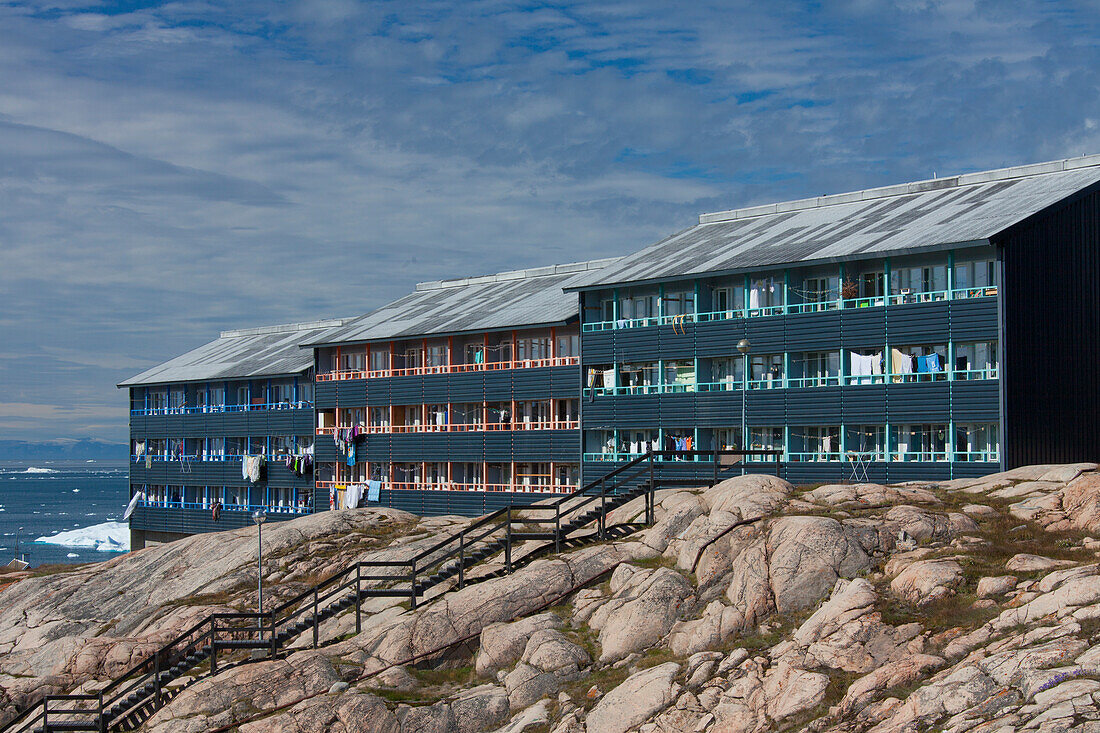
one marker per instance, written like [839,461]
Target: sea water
[75,506]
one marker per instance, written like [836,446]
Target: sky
[169,170]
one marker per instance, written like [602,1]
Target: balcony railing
[211,409]
[833,380]
[460,427]
[553,488]
[272,507]
[778,310]
[488,366]
[212,458]
[868,456]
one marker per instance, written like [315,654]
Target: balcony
[490,366]
[457,427]
[865,457]
[457,486]
[207,505]
[779,310]
[731,385]
[214,409]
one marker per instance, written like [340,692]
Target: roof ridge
[284,328]
[530,272]
[900,189]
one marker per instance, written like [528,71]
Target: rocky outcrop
[749,606]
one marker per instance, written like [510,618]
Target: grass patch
[445,677]
[652,563]
[654,656]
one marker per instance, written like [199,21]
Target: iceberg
[106,537]
[35,469]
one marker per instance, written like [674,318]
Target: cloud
[173,169]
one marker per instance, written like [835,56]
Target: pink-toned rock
[892,674]
[1081,502]
[928,580]
[996,586]
[1025,563]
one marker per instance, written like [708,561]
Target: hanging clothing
[902,363]
[374,490]
[609,378]
[139,449]
[876,363]
[250,468]
[332,497]
[148,460]
[352,495]
[351,454]
[754,298]
[139,496]
[931,363]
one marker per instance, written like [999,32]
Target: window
[819,443]
[529,475]
[910,283]
[867,442]
[607,308]
[638,378]
[305,391]
[977,360]
[236,446]
[727,438]
[282,392]
[872,285]
[437,355]
[817,368]
[533,347]
[728,300]
[766,371]
[765,292]
[680,376]
[977,442]
[766,439]
[217,394]
[679,302]
[926,442]
[976,278]
[820,290]
[379,417]
[638,306]
[568,344]
[567,410]
[352,358]
[379,357]
[215,447]
[567,476]
[727,372]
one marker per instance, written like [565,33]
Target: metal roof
[505,300]
[252,352]
[963,209]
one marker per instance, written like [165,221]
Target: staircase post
[508,542]
[213,646]
[156,680]
[102,719]
[274,636]
[603,510]
[412,587]
[358,598]
[557,527]
[46,713]
[461,558]
[715,481]
[315,622]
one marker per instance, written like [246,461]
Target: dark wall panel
[918,402]
[917,323]
[863,328]
[809,331]
[975,401]
[974,319]
[1051,302]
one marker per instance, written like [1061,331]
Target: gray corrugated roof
[505,300]
[912,216]
[250,352]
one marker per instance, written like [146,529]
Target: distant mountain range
[18,450]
